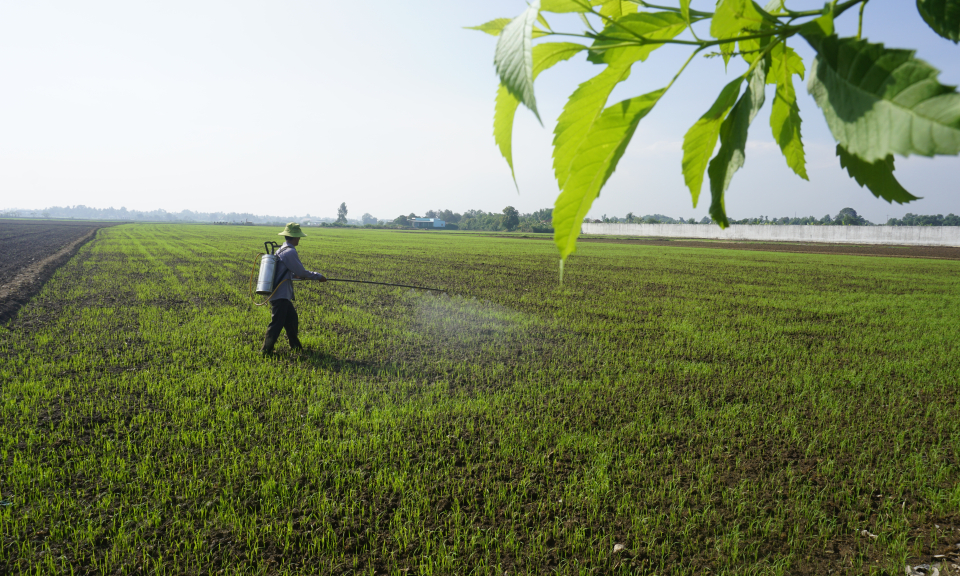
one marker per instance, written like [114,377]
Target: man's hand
[322,278]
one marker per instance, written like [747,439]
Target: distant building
[428,223]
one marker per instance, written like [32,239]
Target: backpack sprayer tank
[268,268]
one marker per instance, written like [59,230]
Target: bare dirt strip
[31,252]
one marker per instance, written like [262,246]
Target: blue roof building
[428,223]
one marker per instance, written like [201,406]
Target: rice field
[668,410]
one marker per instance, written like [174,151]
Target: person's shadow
[330,363]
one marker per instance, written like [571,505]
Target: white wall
[902,235]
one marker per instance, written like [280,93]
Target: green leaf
[617,8]
[751,49]
[877,177]
[562,6]
[732,17]
[726,24]
[544,56]
[774,7]
[820,27]
[784,63]
[685,11]
[595,162]
[735,18]
[543,21]
[650,25]
[504,113]
[785,123]
[733,141]
[785,118]
[880,101]
[580,114]
[514,57]
[943,16]
[701,139]
[493,27]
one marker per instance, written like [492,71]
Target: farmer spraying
[282,313]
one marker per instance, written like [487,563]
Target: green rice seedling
[709,410]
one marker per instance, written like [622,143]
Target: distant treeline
[88,213]
[919,220]
[510,219]
[541,220]
[507,220]
[846,217]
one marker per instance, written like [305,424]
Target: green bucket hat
[292,230]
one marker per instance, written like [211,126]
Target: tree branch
[672,9]
[841,8]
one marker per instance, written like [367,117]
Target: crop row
[737,412]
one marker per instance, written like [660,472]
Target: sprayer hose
[265,302]
[385,284]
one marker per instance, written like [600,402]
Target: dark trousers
[282,316]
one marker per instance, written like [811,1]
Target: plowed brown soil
[31,252]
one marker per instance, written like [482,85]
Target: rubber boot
[268,344]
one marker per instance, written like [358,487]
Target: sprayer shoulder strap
[278,279]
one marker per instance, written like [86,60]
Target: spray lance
[268,269]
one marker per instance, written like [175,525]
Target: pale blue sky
[291,107]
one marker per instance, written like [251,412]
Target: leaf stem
[609,21]
[839,9]
[682,68]
[672,9]
[860,26]
[610,46]
[784,32]
[543,21]
[762,56]
[585,36]
[802,14]
[692,32]
[587,22]
[641,40]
